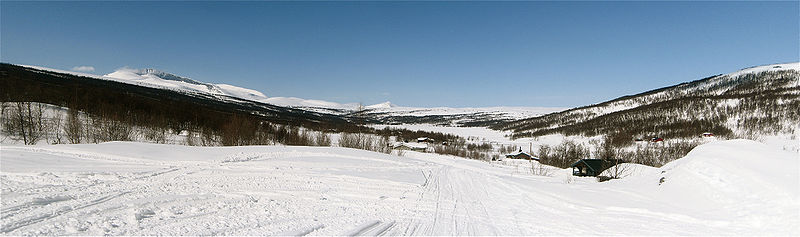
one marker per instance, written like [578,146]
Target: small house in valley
[410,146]
[521,155]
[425,140]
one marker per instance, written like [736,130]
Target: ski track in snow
[321,191]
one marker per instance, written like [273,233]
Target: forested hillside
[749,103]
[103,110]
[763,101]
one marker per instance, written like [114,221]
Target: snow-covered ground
[124,188]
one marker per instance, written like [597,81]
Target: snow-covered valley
[734,187]
[191,186]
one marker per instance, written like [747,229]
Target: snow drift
[740,177]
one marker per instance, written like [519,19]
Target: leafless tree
[540,169]
[115,130]
[74,127]
[24,121]
[618,169]
[54,129]
[322,139]
[208,137]
[191,138]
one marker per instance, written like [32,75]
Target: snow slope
[126,188]
[738,176]
[163,80]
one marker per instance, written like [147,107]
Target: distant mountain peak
[165,75]
[384,105]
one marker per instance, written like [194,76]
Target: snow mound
[758,184]
[631,172]
[244,93]
[384,105]
[766,68]
[299,102]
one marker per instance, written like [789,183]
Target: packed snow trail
[125,188]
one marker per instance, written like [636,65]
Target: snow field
[127,188]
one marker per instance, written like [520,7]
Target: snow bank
[755,184]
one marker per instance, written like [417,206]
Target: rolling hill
[752,101]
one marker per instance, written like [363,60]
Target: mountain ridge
[742,95]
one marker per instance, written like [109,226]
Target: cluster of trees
[365,142]
[562,155]
[503,149]
[462,151]
[651,154]
[32,122]
[25,121]
[463,120]
[409,135]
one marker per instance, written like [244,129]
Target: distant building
[425,140]
[410,146]
[656,139]
[708,134]
[521,155]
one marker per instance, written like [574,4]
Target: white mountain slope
[163,80]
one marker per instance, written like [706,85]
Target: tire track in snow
[12,211]
[26,222]
[370,228]
[118,185]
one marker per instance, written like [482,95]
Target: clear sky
[456,54]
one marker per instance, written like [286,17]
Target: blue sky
[457,54]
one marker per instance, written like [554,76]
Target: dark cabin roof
[521,155]
[595,165]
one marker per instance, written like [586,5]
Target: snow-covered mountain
[760,99]
[386,111]
[164,80]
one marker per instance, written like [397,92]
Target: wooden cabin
[410,146]
[521,155]
[592,167]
